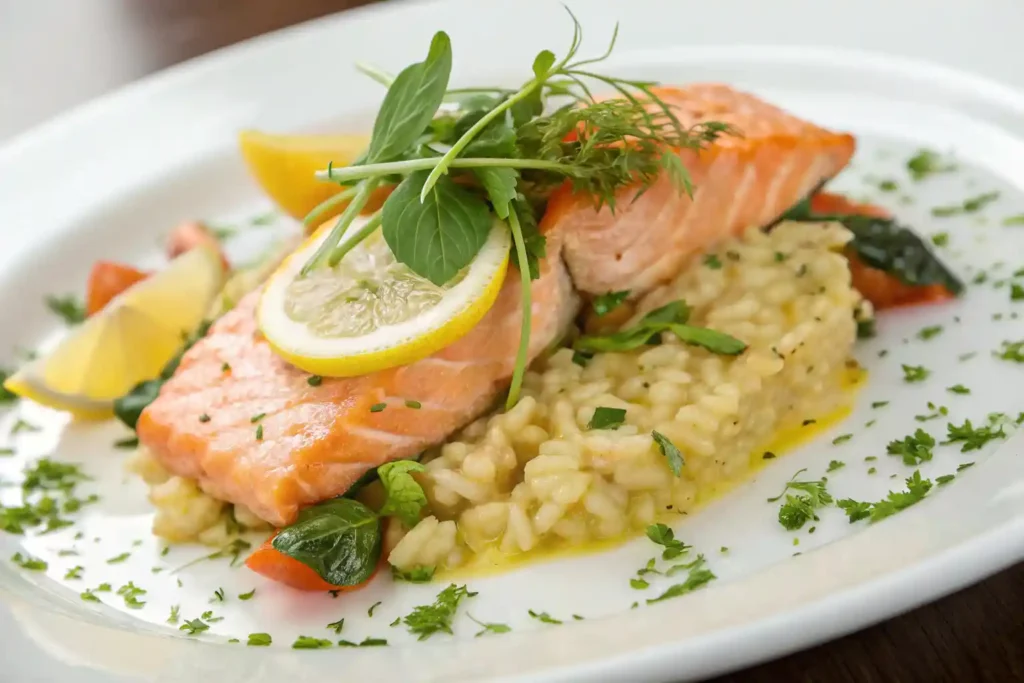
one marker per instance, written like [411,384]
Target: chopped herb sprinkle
[378,407]
[842,438]
[607,418]
[834,465]
[543,617]
[927,333]
[915,373]
[958,389]
[204,418]
[259,640]
[314,380]
[415,405]
[606,303]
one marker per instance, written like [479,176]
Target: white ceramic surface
[109,178]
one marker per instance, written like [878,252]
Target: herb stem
[350,243]
[446,161]
[347,173]
[328,204]
[524,335]
[362,196]
[383,77]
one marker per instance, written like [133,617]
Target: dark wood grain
[95,45]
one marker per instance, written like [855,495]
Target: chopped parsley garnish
[69,308]
[835,465]
[1014,220]
[256,418]
[308,643]
[259,432]
[127,443]
[671,453]
[259,640]
[799,509]
[926,163]
[543,617]
[421,574]
[314,380]
[914,449]
[768,455]
[945,479]
[842,438]
[963,466]
[204,418]
[74,573]
[377,407]
[915,373]
[607,418]
[225,367]
[664,536]
[28,562]
[489,627]
[888,185]
[118,559]
[1016,292]
[24,426]
[958,389]
[415,405]
[937,412]
[879,404]
[194,626]
[247,596]
[698,576]
[88,596]
[970,205]
[208,616]
[927,333]
[426,620]
[940,239]
[639,584]
[374,606]
[218,595]
[130,592]
[234,550]
[336,626]
[606,303]
[712,261]
[970,437]
[895,501]
[1011,351]
[372,642]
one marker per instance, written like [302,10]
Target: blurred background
[55,54]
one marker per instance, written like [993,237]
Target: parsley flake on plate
[835,465]
[915,373]
[895,501]
[68,308]
[664,536]
[970,437]
[488,627]
[543,617]
[914,449]
[929,332]
[607,418]
[426,620]
[928,163]
[259,640]
[194,626]
[309,643]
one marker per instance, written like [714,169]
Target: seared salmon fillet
[314,441]
[739,182]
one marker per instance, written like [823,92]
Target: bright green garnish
[917,489]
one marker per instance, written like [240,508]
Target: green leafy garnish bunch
[460,157]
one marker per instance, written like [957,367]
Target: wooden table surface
[57,53]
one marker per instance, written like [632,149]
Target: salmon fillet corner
[316,441]
[739,182]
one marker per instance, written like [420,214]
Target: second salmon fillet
[739,181]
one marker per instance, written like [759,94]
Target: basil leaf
[405,497]
[884,244]
[411,102]
[500,184]
[496,140]
[606,303]
[440,236]
[607,418]
[671,453]
[338,539]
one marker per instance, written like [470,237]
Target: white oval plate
[109,178]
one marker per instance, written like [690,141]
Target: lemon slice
[127,342]
[371,312]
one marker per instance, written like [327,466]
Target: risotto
[536,477]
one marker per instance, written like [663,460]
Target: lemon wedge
[371,312]
[285,167]
[127,342]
